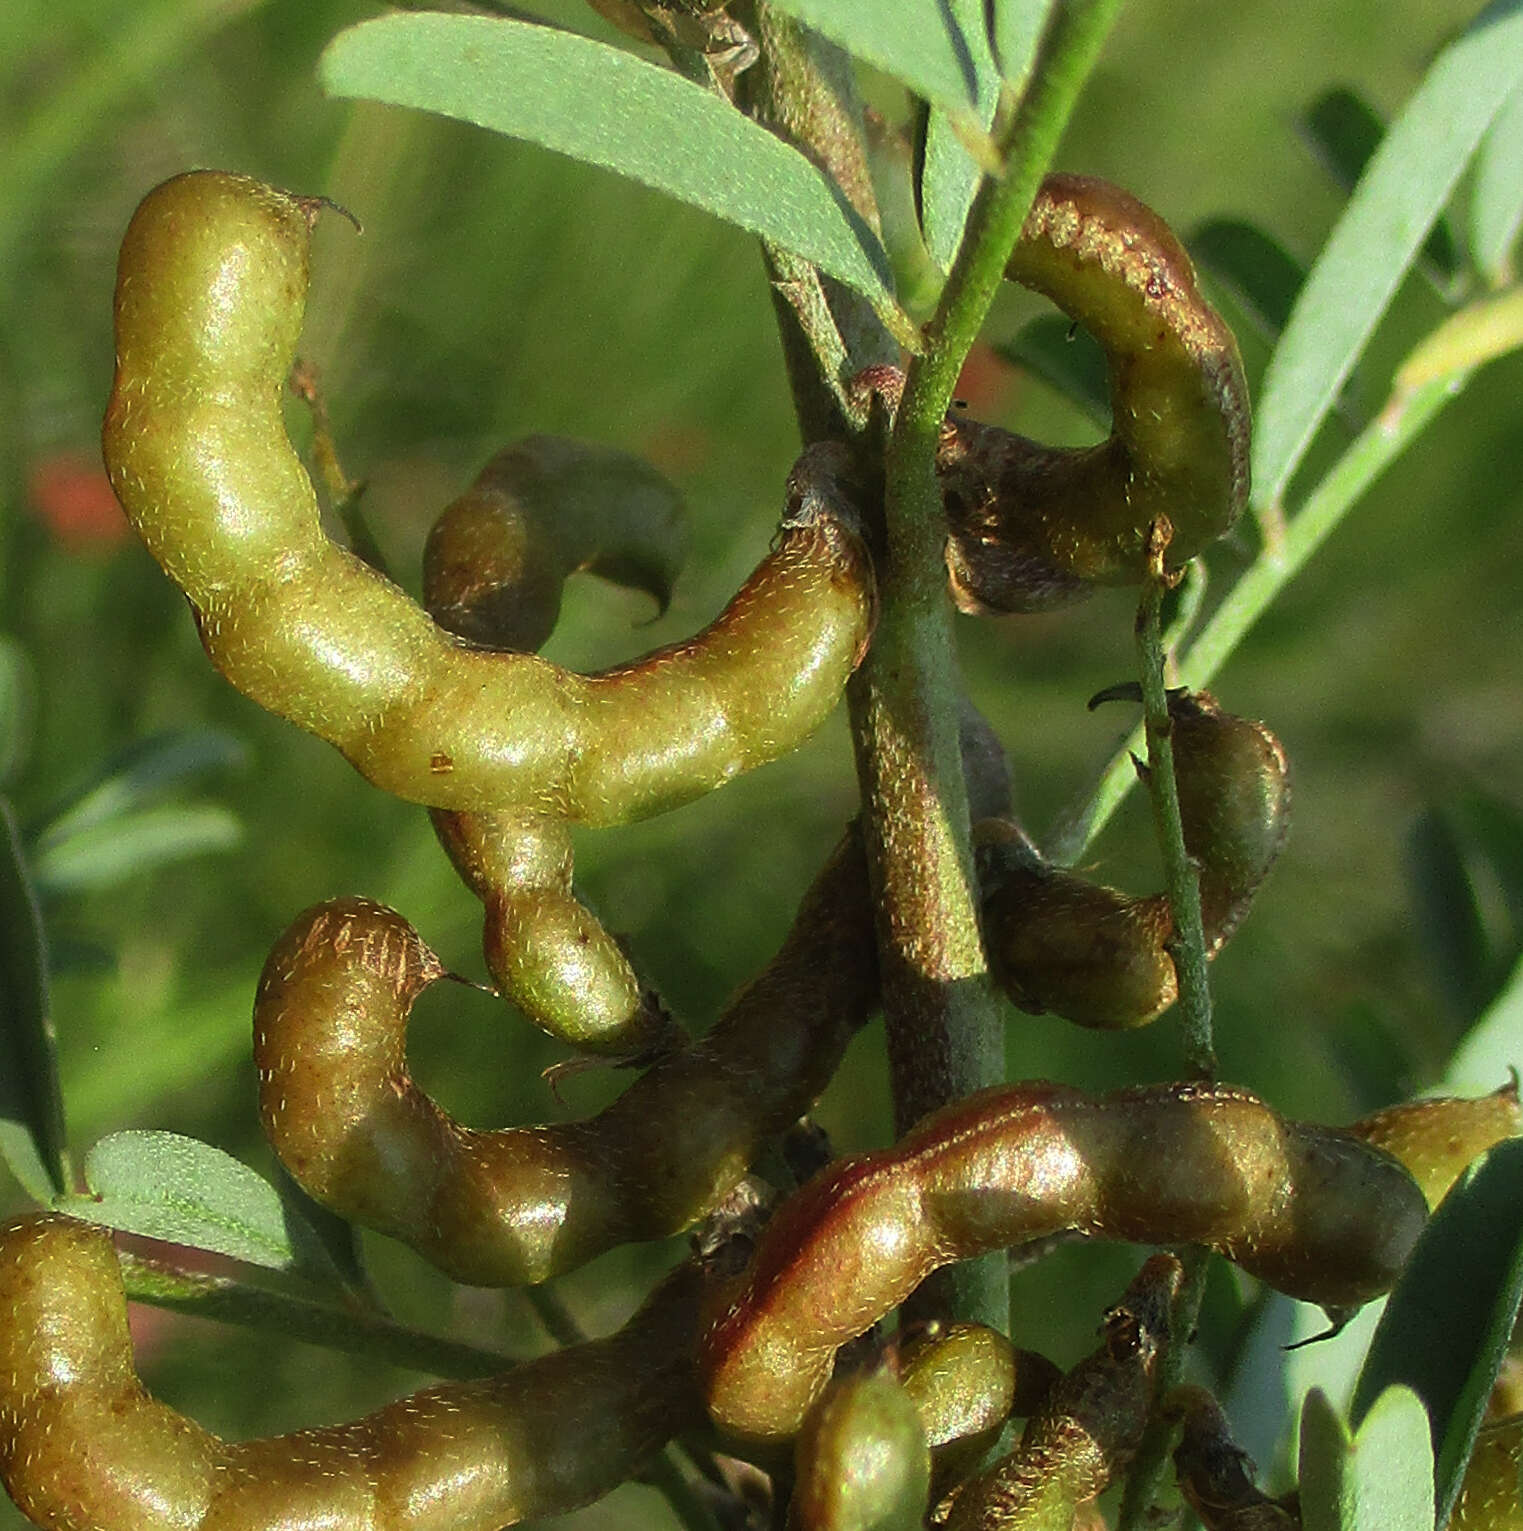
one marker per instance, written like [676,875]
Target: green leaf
[1259,272]
[1406,184]
[609,108]
[1344,131]
[1496,198]
[1446,1326]
[949,175]
[131,844]
[1380,1479]
[1492,1046]
[140,773]
[32,1135]
[1017,32]
[1480,332]
[925,46]
[1066,358]
[18,687]
[164,1186]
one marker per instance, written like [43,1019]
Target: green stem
[1367,457]
[233,1302]
[1147,1469]
[1181,877]
[944,1028]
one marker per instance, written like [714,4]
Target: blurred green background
[499,290]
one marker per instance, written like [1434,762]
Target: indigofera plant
[83,1445]
[1061,943]
[1313,1211]
[210,292]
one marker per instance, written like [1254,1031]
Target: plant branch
[1367,457]
[1187,945]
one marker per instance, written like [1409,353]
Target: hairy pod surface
[1034,526]
[1312,1211]
[84,1448]
[1089,1426]
[1437,1138]
[210,289]
[1489,1498]
[1215,1473]
[1099,957]
[861,1460]
[518,1205]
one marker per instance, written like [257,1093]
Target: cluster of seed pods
[451,707]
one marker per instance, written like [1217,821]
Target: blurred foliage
[499,290]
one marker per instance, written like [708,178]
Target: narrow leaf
[1260,273]
[1496,199]
[143,772]
[132,844]
[1380,1480]
[1478,333]
[924,46]
[1406,184]
[1017,30]
[949,174]
[1450,917]
[599,104]
[1344,131]
[32,1138]
[165,1186]
[1446,1326]
[1067,359]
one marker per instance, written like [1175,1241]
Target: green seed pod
[1312,1211]
[966,1380]
[861,1460]
[210,289]
[494,567]
[1215,1474]
[1437,1138]
[519,1205]
[1035,526]
[1099,957]
[1489,1499]
[82,1444]
[1089,1427]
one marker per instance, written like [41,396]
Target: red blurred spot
[984,382]
[69,493]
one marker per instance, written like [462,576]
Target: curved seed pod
[519,1205]
[1034,526]
[209,298]
[1489,1496]
[1089,1427]
[1099,957]
[861,1460]
[1314,1212]
[1437,1138]
[966,1380]
[494,567]
[1215,1474]
[82,1444]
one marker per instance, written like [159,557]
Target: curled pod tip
[861,1460]
[1034,526]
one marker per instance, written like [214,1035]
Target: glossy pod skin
[519,1205]
[84,1448]
[1034,526]
[1058,942]
[861,1462]
[494,568]
[1088,1428]
[1310,1210]
[210,290]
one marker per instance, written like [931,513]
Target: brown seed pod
[1099,957]
[1311,1210]
[1034,526]
[1089,1427]
[518,1205]
[83,1445]
[210,291]
[1215,1474]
